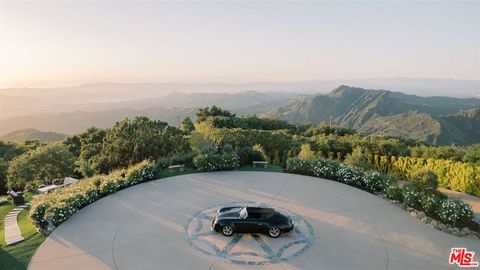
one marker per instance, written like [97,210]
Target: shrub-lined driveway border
[142,227]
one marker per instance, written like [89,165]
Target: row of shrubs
[214,159]
[458,176]
[216,162]
[415,194]
[64,202]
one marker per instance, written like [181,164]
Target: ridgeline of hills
[33,134]
[435,120]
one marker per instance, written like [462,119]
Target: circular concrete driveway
[147,227]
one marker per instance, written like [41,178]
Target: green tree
[73,144]
[359,158]
[9,151]
[306,152]
[3,175]
[44,163]
[187,125]
[203,113]
[131,141]
[473,154]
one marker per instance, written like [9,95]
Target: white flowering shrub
[334,170]
[300,166]
[326,168]
[64,202]
[139,174]
[413,195]
[455,212]
[394,192]
[216,162]
[431,201]
[108,187]
[374,181]
[349,175]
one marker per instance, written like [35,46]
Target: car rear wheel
[227,230]
[274,232]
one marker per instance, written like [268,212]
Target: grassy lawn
[270,168]
[18,255]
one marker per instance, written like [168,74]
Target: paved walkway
[12,230]
[156,225]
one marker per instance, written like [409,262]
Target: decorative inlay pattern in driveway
[165,224]
[252,249]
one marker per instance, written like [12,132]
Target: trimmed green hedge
[458,176]
[415,195]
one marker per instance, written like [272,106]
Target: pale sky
[48,42]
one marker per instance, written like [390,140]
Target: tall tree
[203,113]
[44,163]
[187,125]
[131,141]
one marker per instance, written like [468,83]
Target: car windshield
[243,212]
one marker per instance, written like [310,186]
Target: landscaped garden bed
[421,201]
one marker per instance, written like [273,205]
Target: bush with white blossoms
[64,202]
[334,170]
[394,192]
[216,162]
[301,166]
[431,201]
[413,195]
[349,175]
[375,182]
[326,168]
[455,212]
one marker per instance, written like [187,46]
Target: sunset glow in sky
[42,43]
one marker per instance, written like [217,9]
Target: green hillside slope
[32,134]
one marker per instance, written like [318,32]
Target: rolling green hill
[32,134]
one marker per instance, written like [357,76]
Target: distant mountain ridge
[436,120]
[171,108]
[33,134]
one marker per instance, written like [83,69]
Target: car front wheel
[274,232]
[227,230]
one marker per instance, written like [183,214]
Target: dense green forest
[217,135]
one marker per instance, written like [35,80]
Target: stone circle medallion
[246,248]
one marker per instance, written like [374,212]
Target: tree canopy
[45,163]
[203,113]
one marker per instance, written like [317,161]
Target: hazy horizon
[70,43]
[79,83]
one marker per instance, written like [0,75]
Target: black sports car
[229,220]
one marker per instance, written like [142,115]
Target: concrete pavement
[147,227]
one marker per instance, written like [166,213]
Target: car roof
[259,209]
